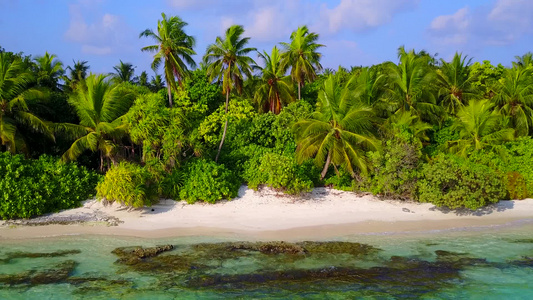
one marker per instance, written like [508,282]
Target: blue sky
[355,32]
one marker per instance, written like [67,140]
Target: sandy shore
[270,215]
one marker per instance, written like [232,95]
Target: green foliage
[281,127]
[340,181]
[240,113]
[439,138]
[394,171]
[280,172]
[34,187]
[512,157]
[202,92]
[515,185]
[128,184]
[456,183]
[205,180]
[486,76]
[170,185]
[159,129]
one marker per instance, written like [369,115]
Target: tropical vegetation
[454,133]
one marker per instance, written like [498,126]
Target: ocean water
[475,263]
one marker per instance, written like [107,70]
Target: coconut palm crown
[302,56]
[275,90]
[14,110]
[173,49]
[228,62]
[338,131]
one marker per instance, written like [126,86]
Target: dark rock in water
[141,252]
[522,241]
[58,274]
[526,261]
[226,249]
[422,274]
[15,255]
[355,249]
[148,259]
[459,258]
[269,247]
[135,255]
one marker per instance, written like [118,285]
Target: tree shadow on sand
[487,210]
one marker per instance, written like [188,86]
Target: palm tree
[156,83]
[406,126]
[227,60]
[300,54]
[100,107]
[143,79]
[368,86]
[49,71]
[124,72]
[174,49]
[14,111]
[410,82]
[455,83]
[524,61]
[338,131]
[514,97]
[78,73]
[478,126]
[275,89]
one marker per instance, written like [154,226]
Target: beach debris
[69,219]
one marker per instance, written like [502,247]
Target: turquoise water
[484,263]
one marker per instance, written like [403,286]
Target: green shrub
[515,185]
[170,185]
[394,171]
[342,181]
[34,187]
[205,180]
[516,156]
[279,172]
[455,183]
[128,184]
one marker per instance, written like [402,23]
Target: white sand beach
[271,215]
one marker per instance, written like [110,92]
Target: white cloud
[359,15]
[100,37]
[452,29]
[502,24]
[268,24]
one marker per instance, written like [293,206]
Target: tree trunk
[101,162]
[169,95]
[299,98]
[326,166]
[225,128]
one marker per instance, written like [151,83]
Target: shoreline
[268,215]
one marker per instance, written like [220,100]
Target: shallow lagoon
[489,263]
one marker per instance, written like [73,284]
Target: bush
[279,172]
[342,181]
[513,157]
[170,185]
[455,183]
[394,171]
[515,185]
[128,184]
[208,181]
[34,187]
